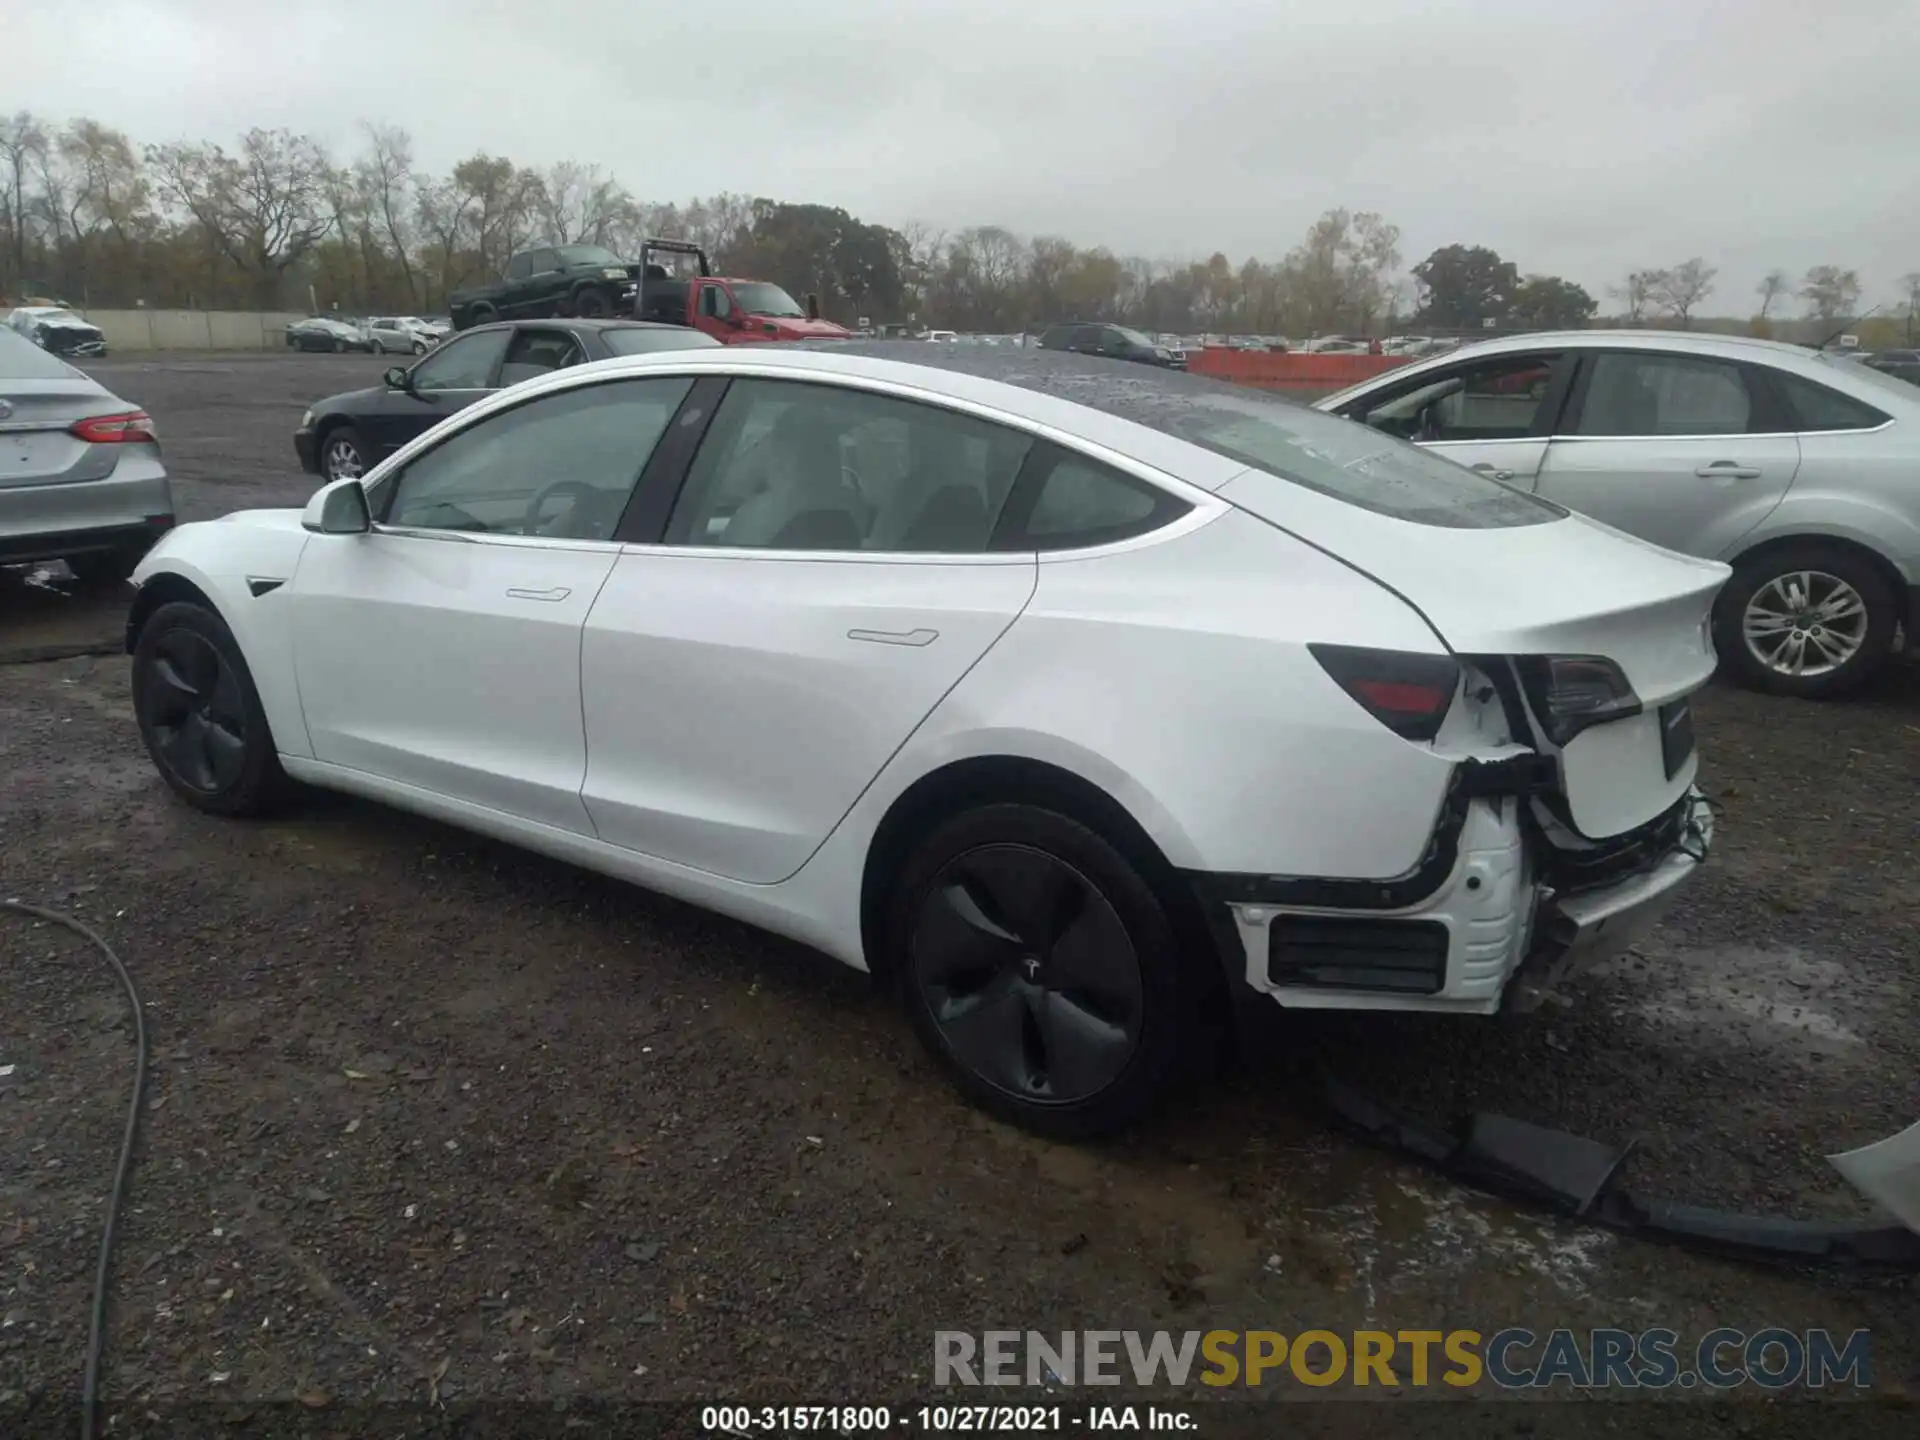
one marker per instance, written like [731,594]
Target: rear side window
[1350,462]
[1815,407]
[1633,395]
[1073,503]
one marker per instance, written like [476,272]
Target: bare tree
[22,143]
[1830,292]
[1636,293]
[385,172]
[1678,290]
[577,203]
[1773,287]
[1910,287]
[264,208]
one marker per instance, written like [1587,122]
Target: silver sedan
[1796,468]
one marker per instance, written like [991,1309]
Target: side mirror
[396,378]
[737,321]
[338,509]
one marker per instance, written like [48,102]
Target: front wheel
[200,715]
[419,347]
[1813,620]
[592,304]
[1040,969]
[343,455]
[339,347]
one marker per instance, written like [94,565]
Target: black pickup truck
[588,281]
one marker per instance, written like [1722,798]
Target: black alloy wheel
[199,714]
[1039,968]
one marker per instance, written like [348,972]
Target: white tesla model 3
[1079,701]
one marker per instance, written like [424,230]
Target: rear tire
[201,716]
[1812,619]
[1040,969]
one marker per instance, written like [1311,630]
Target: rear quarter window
[1815,407]
[1350,462]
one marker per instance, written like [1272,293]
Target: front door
[1492,415]
[442,384]
[1682,450]
[822,582]
[442,650]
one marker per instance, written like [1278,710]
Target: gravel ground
[433,1118]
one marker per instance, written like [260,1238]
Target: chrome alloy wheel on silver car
[1805,623]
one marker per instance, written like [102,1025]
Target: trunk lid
[1567,586]
[35,445]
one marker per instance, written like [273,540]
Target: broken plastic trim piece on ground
[1580,1178]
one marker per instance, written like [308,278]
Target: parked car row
[382,335]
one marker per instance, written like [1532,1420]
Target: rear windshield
[643,342]
[1353,463]
[21,359]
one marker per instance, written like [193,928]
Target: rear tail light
[1406,692]
[1571,693]
[122,429]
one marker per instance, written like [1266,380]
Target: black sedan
[347,435]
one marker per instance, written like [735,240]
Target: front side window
[714,302]
[463,364]
[542,261]
[790,466]
[562,466]
[519,267]
[1649,395]
[1491,400]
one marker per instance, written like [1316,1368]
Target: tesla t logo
[1032,964]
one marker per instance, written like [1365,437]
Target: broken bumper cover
[1506,916]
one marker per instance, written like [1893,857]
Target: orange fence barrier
[1268,371]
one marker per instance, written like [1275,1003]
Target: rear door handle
[895,637]
[1485,469]
[1727,470]
[558,592]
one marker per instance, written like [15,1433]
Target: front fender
[228,561]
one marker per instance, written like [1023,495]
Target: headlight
[612,274]
[306,420]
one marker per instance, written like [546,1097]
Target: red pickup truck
[734,312]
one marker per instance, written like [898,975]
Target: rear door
[823,580]
[1688,451]
[1492,414]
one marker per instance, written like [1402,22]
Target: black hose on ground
[97,1324]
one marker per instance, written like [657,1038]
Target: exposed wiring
[97,1323]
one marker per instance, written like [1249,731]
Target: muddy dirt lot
[432,1118]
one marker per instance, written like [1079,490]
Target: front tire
[1813,620]
[1040,969]
[343,454]
[592,304]
[199,713]
[339,347]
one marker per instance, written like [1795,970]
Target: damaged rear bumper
[1497,913]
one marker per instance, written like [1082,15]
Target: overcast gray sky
[1577,139]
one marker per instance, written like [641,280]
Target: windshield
[760,298]
[590,255]
[21,359]
[1352,463]
[1134,337]
[643,342]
